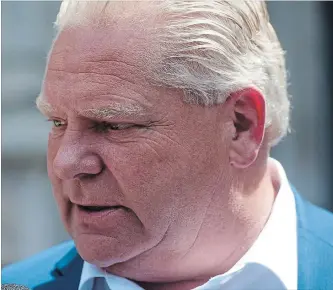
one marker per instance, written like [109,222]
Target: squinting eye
[119,126]
[105,127]
[57,123]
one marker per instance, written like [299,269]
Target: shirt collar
[275,248]
[90,271]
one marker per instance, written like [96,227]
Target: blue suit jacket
[59,268]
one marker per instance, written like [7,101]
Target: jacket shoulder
[317,222]
[37,269]
[315,246]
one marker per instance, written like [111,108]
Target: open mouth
[98,208]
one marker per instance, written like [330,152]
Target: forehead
[98,63]
[102,50]
[83,44]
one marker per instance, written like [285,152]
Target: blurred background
[30,221]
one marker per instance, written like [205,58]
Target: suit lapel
[66,274]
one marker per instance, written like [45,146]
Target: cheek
[156,179]
[145,175]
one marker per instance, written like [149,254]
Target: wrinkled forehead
[100,30]
[77,46]
[100,61]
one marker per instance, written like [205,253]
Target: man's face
[118,142]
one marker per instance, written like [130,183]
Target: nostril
[86,175]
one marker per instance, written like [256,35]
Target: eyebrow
[105,112]
[114,110]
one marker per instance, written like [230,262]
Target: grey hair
[209,49]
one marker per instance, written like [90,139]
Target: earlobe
[248,114]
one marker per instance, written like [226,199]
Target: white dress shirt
[270,264]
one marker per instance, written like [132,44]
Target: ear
[248,114]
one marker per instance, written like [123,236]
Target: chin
[102,251]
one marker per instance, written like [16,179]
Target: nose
[76,161]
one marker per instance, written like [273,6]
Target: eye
[105,127]
[57,123]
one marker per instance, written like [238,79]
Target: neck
[252,212]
